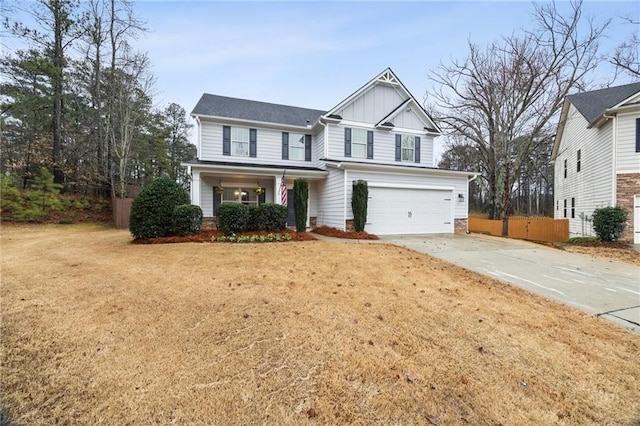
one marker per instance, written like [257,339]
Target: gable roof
[593,106]
[244,109]
[594,103]
[389,77]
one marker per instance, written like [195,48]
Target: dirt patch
[98,330]
[612,251]
[334,232]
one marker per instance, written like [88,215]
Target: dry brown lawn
[96,330]
[612,254]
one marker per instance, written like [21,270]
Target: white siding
[330,210]
[268,147]
[317,145]
[384,146]
[459,184]
[592,187]
[372,105]
[627,159]
[408,120]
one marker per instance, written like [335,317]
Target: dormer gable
[386,103]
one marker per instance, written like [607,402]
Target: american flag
[283,192]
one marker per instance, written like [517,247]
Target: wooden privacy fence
[526,228]
[121,212]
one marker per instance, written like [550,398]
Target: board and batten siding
[459,184]
[592,186]
[268,146]
[373,105]
[627,159]
[384,146]
[330,196]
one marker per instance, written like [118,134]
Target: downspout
[199,144]
[614,157]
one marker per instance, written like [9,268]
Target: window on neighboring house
[565,170]
[573,208]
[578,162]
[408,148]
[557,204]
[565,208]
[239,141]
[358,143]
[637,134]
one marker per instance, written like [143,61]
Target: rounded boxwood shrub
[152,210]
[233,218]
[271,217]
[609,223]
[187,219]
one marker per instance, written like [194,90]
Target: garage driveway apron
[603,288]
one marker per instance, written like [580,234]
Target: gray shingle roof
[244,109]
[593,104]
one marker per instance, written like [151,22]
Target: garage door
[409,211]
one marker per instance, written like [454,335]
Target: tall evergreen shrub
[359,204]
[152,210]
[300,203]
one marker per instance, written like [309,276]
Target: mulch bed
[333,232]
[604,244]
[205,237]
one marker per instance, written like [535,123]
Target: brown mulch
[204,236]
[336,233]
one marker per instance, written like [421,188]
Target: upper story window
[578,165]
[296,146]
[408,148]
[358,143]
[565,169]
[239,141]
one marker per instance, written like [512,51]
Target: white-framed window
[240,141]
[359,143]
[240,195]
[296,146]
[408,148]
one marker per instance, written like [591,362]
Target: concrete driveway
[607,289]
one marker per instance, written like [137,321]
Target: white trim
[254,171]
[410,186]
[614,163]
[399,169]
[199,143]
[636,223]
[251,123]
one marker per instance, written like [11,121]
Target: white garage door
[409,211]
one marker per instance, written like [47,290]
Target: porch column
[276,190]
[195,187]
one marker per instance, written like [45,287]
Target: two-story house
[379,134]
[597,158]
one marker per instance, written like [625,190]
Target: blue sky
[314,54]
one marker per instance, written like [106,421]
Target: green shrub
[580,240]
[152,209]
[300,203]
[271,217]
[359,202]
[233,218]
[609,223]
[187,219]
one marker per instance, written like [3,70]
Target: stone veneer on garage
[460,226]
[628,185]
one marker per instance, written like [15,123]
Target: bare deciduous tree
[626,57]
[512,90]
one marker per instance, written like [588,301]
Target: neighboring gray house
[379,133]
[597,157]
